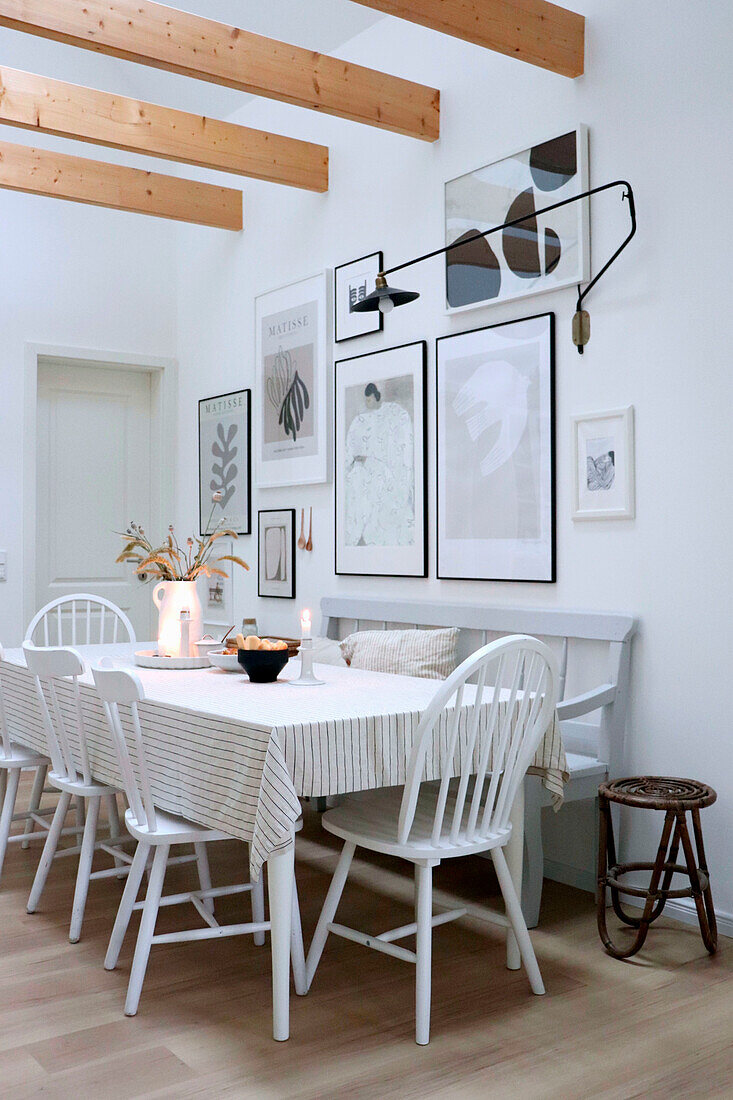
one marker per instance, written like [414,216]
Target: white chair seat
[170,829]
[21,757]
[580,766]
[370,820]
[78,788]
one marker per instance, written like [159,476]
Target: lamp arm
[628,194]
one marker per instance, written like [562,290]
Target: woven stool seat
[675,798]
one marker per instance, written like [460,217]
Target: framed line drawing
[381,463]
[603,454]
[291,349]
[539,255]
[351,283]
[496,452]
[276,558]
[225,461]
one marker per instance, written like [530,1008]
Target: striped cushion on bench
[430,654]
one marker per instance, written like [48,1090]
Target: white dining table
[237,756]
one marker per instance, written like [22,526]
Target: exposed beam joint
[153,34]
[53,107]
[535,31]
[40,172]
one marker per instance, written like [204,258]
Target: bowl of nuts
[263,659]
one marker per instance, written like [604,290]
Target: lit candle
[305,624]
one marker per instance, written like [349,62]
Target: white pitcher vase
[171,598]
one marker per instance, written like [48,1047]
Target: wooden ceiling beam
[40,172]
[153,34]
[53,107]
[535,31]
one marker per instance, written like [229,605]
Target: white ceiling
[321,25]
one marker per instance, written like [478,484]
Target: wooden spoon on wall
[309,544]
[301,540]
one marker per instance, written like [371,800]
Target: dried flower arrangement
[172,562]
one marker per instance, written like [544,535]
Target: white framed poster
[276,559]
[496,452]
[216,595]
[225,462]
[352,282]
[603,450]
[291,355]
[381,459]
[543,253]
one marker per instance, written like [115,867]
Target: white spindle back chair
[71,775]
[122,693]
[485,735]
[80,619]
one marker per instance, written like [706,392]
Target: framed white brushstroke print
[543,253]
[291,357]
[496,452]
[276,558]
[352,282]
[381,460]
[603,456]
[225,462]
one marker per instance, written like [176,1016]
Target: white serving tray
[148,658]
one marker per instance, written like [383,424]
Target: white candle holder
[306,678]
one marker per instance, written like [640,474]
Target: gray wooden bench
[594,749]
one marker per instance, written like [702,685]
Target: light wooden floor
[661,1026]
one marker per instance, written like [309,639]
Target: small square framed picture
[353,282]
[276,564]
[603,449]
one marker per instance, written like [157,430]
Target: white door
[94,475]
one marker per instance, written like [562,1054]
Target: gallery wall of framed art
[381,462]
[496,452]
[292,386]
[225,461]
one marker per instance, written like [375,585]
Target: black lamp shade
[371,302]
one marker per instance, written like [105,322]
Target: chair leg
[202,862]
[330,905]
[34,805]
[514,912]
[515,861]
[257,899]
[534,861]
[49,851]
[280,875]
[147,930]
[81,812]
[85,869]
[129,896]
[115,831]
[297,950]
[424,920]
[6,817]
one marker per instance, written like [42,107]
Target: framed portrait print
[543,253]
[291,348]
[276,559]
[603,451]
[496,452]
[381,511]
[351,283]
[225,461]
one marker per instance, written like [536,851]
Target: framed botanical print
[496,452]
[225,462]
[603,452]
[381,510]
[276,559]
[352,282]
[291,348]
[544,252]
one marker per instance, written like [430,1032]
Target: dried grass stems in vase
[172,562]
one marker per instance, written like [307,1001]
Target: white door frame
[163,373]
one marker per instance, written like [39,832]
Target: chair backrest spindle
[118,689]
[50,667]
[79,611]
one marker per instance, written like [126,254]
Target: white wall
[657,99]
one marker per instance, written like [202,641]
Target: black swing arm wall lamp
[385,297]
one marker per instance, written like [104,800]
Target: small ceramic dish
[205,646]
[226,660]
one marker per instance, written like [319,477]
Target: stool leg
[703,865]
[708,933]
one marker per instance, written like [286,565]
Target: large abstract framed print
[291,349]
[276,558]
[381,512]
[543,253]
[352,282]
[225,462]
[496,452]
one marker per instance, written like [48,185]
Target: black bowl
[263,666]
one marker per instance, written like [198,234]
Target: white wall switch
[3,565]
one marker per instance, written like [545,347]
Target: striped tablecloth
[236,756]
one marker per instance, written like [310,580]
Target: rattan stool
[676,797]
